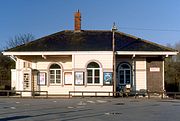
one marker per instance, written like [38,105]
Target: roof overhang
[57,53]
[163,53]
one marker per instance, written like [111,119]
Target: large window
[93,73]
[55,74]
[124,73]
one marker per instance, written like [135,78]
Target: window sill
[94,85]
[55,85]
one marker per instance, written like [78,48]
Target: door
[124,75]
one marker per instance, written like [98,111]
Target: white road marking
[89,101]
[101,101]
[12,107]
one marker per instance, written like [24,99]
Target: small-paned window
[55,74]
[93,73]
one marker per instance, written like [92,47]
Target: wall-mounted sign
[68,78]
[42,78]
[107,77]
[79,78]
[154,69]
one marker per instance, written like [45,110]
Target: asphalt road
[89,109]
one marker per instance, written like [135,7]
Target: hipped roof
[88,40]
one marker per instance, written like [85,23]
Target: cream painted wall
[81,60]
[72,63]
[140,73]
[78,62]
[14,78]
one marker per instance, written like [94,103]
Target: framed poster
[42,78]
[107,78]
[68,78]
[79,78]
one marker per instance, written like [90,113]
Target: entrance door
[124,75]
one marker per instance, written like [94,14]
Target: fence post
[7,93]
[148,95]
[175,95]
[70,93]
[47,94]
[21,94]
[83,94]
[162,95]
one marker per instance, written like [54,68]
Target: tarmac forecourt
[89,109]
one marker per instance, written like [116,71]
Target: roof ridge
[88,31]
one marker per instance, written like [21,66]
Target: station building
[83,60]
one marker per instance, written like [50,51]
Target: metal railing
[19,93]
[34,94]
[159,93]
[94,93]
[148,94]
[175,95]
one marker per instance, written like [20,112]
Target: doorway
[124,76]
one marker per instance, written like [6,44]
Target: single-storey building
[88,60]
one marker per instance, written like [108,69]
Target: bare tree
[19,40]
[177,47]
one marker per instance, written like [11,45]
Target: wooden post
[114,29]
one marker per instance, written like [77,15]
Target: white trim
[166,53]
[163,75]
[55,69]
[13,58]
[145,74]
[134,53]
[58,53]
[93,76]
[55,76]
[93,72]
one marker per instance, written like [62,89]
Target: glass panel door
[127,77]
[121,73]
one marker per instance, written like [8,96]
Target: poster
[79,78]
[42,78]
[68,78]
[107,77]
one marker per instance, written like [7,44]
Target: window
[26,64]
[93,73]
[26,81]
[55,74]
[124,73]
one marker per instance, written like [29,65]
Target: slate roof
[88,40]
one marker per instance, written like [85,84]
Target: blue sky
[44,17]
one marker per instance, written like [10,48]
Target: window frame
[124,74]
[55,75]
[93,76]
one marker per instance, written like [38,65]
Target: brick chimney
[77,21]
